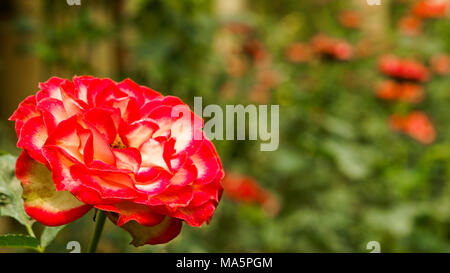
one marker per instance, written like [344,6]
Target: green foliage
[19,241]
[49,234]
[11,203]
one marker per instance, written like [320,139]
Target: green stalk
[30,231]
[100,223]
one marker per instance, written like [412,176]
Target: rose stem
[100,222]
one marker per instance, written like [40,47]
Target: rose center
[118,143]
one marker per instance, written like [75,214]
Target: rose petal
[207,192]
[25,111]
[132,89]
[128,108]
[184,175]
[152,180]
[51,89]
[98,148]
[138,132]
[129,211]
[53,112]
[162,233]
[188,133]
[60,163]
[83,87]
[101,119]
[66,137]
[32,137]
[173,198]
[152,153]
[103,91]
[73,105]
[207,162]
[128,159]
[196,216]
[109,184]
[41,200]
[149,94]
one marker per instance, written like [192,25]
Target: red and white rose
[117,147]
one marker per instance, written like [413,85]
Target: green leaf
[339,127]
[19,241]
[353,160]
[49,234]
[288,161]
[11,203]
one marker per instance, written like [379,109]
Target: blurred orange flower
[403,68]
[431,8]
[440,64]
[416,124]
[320,42]
[364,48]
[236,65]
[410,25]
[331,47]
[255,49]
[298,53]
[410,92]
[228,90]
[247,190]
[341,50]
[407,92]
[350,19]
[265,80]
[387,90]
[237,28]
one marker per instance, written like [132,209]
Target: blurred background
[364,95]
